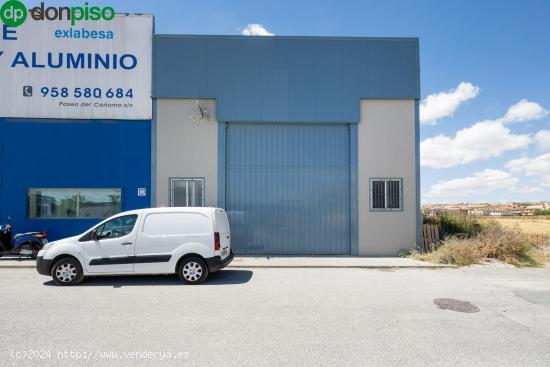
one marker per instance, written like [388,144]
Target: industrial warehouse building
[309,143]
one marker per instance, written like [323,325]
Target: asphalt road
[295,317]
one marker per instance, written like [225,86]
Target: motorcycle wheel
[29,251]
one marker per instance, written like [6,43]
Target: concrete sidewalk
[330,262]
[290,262]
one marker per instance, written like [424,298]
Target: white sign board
[91,70]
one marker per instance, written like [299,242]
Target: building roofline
[345,38]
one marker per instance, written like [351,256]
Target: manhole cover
[455,305]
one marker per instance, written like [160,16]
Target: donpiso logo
[14,13]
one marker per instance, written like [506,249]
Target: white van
[191,242]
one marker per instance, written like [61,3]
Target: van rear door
[221,225]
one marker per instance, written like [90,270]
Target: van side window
[117,227]
[176,224]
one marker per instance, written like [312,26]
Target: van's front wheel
[193,270]
[67,271]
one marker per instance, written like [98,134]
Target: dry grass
[509,245]
[531,225]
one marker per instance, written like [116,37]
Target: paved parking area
[352,317]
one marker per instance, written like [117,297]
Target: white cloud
[480,183]
[483,140]
[255,29]
[439,105]
[543,139]
[529,189]
[537,167]
[523,111]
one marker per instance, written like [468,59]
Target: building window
[187,192]
[386,194]
[73,203]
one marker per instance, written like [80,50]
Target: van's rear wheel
[193,270]
[67,271]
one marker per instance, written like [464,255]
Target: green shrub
[452,225]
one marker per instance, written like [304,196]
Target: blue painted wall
[71,154]
[285,79]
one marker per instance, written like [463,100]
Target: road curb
[290,263]
[342,266]
[33,266]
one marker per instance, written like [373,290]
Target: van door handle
[126,243]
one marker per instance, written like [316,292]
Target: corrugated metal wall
[285,79]
[288,188]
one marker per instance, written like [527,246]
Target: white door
[221,225]
[113,249]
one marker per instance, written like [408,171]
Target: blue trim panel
[153,199]
[419,218]
[153,195]
[285,79]
[222,149]
[354,193]
[47,153]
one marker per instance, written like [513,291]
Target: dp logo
[13,13]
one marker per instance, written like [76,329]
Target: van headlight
[47,246]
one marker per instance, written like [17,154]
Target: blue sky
[502,48]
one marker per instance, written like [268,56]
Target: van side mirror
[94,236]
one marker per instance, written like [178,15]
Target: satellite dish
[203,113]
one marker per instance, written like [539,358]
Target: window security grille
[187,192]
[386,194]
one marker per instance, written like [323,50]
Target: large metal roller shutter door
[288,188]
